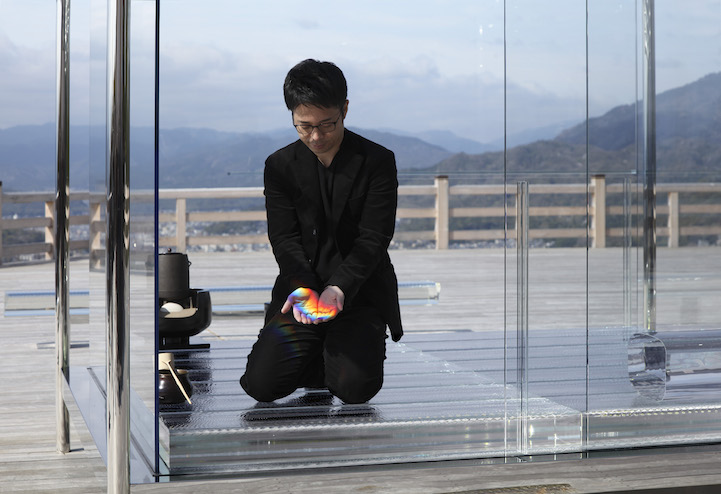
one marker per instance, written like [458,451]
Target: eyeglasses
[323,128]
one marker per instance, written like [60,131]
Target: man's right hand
[307,307]
[304,303]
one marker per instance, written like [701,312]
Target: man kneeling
[331,199]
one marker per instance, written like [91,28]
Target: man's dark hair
[315,83]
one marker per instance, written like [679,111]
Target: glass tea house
[557,234]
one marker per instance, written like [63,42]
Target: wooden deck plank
[689,288]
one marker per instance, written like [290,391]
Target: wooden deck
[472,297]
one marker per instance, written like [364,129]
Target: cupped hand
[309,308]
[330,303]
[304,303]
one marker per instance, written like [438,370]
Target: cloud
[209,87]
[469,105]
[205,86]
[27,87]
[425,68]
[418,68]
[308,24]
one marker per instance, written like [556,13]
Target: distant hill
[410,151]
[688,134]
[27,158]
[448,140]
[456,144]
[688,138]
[692,111]
[188,157]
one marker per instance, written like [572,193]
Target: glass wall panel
[89,368]
[546,203]
[669,397]
[518,131]
[427,83]
[142,303]
[615,192]
[79,175]
[88,364]
[688,78]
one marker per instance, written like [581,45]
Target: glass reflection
[439,107]
[670,369]
[470,113]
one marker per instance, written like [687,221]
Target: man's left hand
[330,303]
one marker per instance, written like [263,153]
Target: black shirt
[328,256]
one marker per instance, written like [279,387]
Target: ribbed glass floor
[436,404]
[443,398]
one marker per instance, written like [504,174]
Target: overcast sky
[411,65]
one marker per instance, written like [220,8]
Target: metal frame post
[649,164]
[117,249]
[61,231]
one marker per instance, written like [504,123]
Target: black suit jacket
[364,201]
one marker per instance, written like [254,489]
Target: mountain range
[688,138]
[688,148]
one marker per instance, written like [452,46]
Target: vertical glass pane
[615,258]
[671,373]
[85,348]
[545,279]
[142,303]
[28,166]
[89,390]
[90,375]
[425,82]
[79,176]
[687,83]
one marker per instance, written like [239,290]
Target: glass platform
[443,399]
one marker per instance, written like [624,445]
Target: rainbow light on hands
[308,303]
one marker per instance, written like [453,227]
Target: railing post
[96,232]
[50,229]
[598,223]
[180,224]
[442,212]
[674,228]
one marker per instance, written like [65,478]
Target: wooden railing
[42,222]
[605,213]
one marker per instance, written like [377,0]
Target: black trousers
[345,355]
